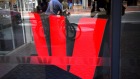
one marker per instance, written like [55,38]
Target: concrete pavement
[88,10]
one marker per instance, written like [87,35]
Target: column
[85,4]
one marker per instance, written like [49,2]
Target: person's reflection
[108,7]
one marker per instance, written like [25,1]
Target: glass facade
[129,40]
[13,25]
[9,22]
[78,44]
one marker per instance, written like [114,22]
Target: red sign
[86,46]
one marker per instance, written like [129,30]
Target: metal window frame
[116,6]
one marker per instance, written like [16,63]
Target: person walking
[108,7]
[39,9]
[65,5]
[54,7]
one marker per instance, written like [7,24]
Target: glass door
[82,45]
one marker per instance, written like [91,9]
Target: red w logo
[85,48]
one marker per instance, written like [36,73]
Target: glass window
[41,39]
[129,40]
